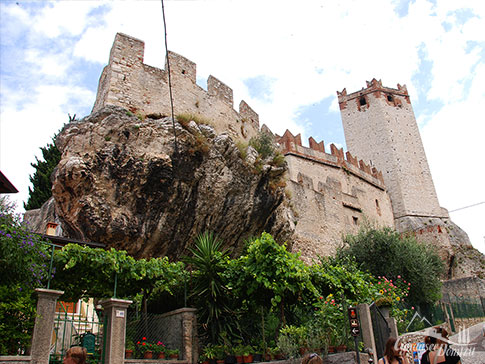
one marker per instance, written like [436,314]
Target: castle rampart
[332,194]
[291,145]
[142,89]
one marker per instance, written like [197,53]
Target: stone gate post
[115,310]
[44,325]
[366,328]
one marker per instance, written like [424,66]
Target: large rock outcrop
[121,182]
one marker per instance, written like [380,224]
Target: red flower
[144,338]
[144,343]
[138,342]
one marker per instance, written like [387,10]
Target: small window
[183,72]
[362,101]
[355,219]
[390,98]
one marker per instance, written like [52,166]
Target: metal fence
[449,311]
[78,324]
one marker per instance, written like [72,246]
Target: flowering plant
[159,347]
[143,346]
[391,292]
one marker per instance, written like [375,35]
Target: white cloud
[308,49]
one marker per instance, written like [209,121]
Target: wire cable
[169,79]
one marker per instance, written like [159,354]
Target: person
[437,350]
[75,355]
[312,358]
[392,355]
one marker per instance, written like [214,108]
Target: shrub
[384,252]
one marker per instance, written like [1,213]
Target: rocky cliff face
[121,182]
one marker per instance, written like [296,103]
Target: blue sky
[286,59]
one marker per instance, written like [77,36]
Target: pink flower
[412,308]
[399,277]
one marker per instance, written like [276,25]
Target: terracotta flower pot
[128,354]
[148,355]
[267,357]
[331,349]
[239,359]
[341,348]
[174,356]
[248,358]
[161,355]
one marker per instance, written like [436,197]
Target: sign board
[120,313]
[354,321]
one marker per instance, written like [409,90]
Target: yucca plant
[209,290]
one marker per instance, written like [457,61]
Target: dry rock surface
[121,181]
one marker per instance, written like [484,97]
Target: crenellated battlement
[390,95]
[126,81]
[291,144]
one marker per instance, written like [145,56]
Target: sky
[286,59]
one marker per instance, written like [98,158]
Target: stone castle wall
[380,127]
[127,82]
[332,194]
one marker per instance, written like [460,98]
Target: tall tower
[380,127]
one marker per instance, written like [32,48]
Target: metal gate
[381,329]
[86,327]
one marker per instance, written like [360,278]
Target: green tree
[272,276]
[41,179]
[385,253]
[23,267]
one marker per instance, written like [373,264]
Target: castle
[331,193]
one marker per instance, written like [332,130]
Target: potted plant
[129,349]
[248,354]
[210,353]
[173,353]
[203,359]
[230,356]
[384,303]
[239,352]
[145,348]
[219,353]
[258,352]
[159,349]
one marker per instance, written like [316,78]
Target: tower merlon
[373,87]
[219,89]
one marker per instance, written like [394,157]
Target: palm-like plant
[209,290]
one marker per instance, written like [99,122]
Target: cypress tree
[41,179]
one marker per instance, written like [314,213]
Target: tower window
[355,219]
[390,98]
[362,101]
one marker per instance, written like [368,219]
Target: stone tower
[381,128]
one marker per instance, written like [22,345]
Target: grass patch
[185,118]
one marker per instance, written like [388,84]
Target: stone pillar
[115,310]
[366,329]
[44,325]
[391,321]
[189,336]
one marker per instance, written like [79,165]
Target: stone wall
[380,127]
[470,288]
[15,359]
[178,330]
[142,89]
[331,195]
